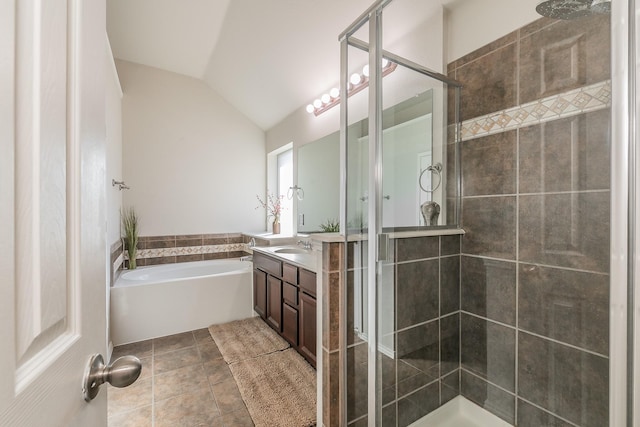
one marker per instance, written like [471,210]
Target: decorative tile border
[190,250]
[184,248]
[574,102]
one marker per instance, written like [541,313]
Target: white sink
[291,251]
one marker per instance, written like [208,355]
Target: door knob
[122,372]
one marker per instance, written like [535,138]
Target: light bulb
[310,108]
[365,70]
[317,103]
[355,78]
[334,92]
[385,62]
[325,98]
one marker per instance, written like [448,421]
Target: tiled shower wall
[535,207]
[419,319]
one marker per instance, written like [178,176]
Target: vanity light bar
[357,82]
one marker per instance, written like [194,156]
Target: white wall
[193,162]
[114,148]
[471,24]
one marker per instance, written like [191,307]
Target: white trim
[113,65]
[272,177]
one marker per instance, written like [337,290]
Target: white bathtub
[156,301]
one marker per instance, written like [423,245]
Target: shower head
[564,9]
[601,6]
[572,9]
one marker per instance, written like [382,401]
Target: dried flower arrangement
[273,205]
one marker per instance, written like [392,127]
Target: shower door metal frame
[376,238]
[624,357]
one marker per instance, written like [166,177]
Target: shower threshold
[460,412]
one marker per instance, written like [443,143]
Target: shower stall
[489,215]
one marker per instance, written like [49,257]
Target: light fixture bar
[358,82]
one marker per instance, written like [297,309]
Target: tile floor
[184,382]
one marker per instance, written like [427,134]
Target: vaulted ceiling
[265,57]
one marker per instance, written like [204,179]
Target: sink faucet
[306,244]
[252,242]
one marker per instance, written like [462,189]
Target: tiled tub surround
[535,208]
[420,320]
[153,250]
[116,256]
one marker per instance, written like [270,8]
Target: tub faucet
[247,258]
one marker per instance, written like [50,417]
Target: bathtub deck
[460,412]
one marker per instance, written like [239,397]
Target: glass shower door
[399,164]
[537,342]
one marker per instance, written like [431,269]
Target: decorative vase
[276,226]
[430,212]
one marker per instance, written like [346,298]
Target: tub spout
[246,258]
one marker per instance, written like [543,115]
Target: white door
[52,165]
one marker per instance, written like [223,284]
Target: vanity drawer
[307,281]
[290,273]
[290,294]
[270,265]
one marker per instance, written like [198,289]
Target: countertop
[307,260]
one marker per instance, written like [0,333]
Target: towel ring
[298,191]
[437,168]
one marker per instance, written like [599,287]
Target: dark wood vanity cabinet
[285,297]
[274,302]
[260,292]
[290,324]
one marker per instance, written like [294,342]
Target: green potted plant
[331,226]
[130,226]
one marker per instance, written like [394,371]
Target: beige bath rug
[279,389]
[246,339]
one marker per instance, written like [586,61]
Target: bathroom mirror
[413,171]
[319,178]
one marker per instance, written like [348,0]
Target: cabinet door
[307,328]
[290,324]
[307,281]
[260,293]
[290,273]
[274,302]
